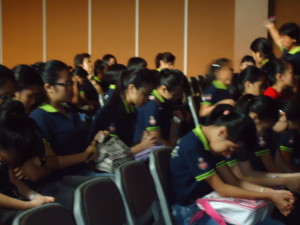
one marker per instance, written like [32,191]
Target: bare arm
[274,33]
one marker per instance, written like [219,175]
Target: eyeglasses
[66,84]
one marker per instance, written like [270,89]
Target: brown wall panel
[113,29]
[67,29]
[161,29]
[285,12]
[22,31]
[211,33]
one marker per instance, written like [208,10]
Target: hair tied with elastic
[216,65]
[226,112]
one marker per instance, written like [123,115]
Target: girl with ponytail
[220,75]
[164,60]
[197,166]
[118,116]
[249,81]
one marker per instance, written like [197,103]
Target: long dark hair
[251,74]
[240,127]
[18,133]
[165,56]
[266,108]
[26,77]
[139,77]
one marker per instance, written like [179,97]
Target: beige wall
[215,28]
[249,17]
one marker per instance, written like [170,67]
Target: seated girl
[118,116]
[18,136]
[217,93]
[156,115]
[195,168]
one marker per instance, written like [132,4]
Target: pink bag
[232,210]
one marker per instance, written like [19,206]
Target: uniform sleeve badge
[291,140]
[202,164]
[152,120]
[112,128]
[261,142]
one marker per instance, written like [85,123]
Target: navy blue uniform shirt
[155,115]
[294,57]
[66,134]
[118,119]
[216,92]
[191,163]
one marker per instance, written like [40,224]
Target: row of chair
[135,196]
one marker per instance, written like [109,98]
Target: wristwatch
[32,195]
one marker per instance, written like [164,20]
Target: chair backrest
[159,166]
[48,214]
[138,191]
[194,105]
[98,201]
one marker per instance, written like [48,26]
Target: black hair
[136,62]
[172,79]
[79,71]
[139,77]
[78,59]
[266,108]
[251,74]
[107,57]
[264,47]
[277,66]
[6,75]
[113,73]
[248,58]
[51,71]
[100,66]
[165,56]
[292,30]
[18,133]
[215,66]
[291,109]
[240,127]
[38,67]
[26,76]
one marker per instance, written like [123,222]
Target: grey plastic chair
[99,202]
[138,191]
[48,214]
[194,105]
[159,164]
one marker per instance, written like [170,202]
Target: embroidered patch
[202,164]
[152,121]
[112,128]
[206,97]
[291,141]
[261,142]
[174,153]
[151,97]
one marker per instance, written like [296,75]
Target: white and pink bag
[232,210]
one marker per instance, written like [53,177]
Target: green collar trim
[48,108]
[158,69]
[112,86]
[96,79]
[128,108]
[199,133]
[264,62]
[158,96]
[219,85]
[295,50]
